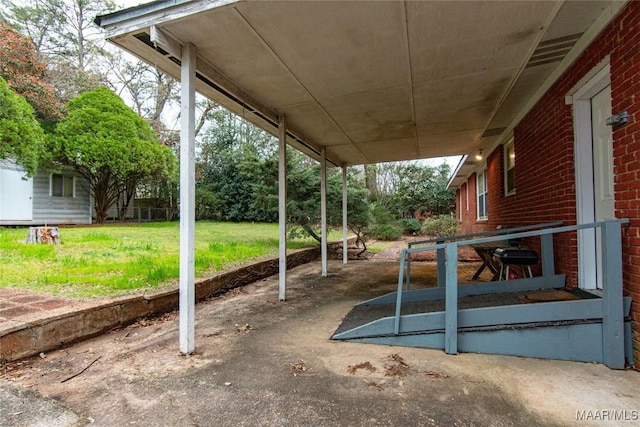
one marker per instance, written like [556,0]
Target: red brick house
[562,161]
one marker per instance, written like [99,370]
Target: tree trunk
[311,232]
[43,235]
[371,179]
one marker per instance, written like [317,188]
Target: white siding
[60,210]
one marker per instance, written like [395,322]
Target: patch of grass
[379,246]
[114,259]
[96,237]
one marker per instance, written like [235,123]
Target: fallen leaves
[150,321]
[395,366]
[235,292]
[243,328]
[365,365]
[398,369]
[433,374]
[297,368]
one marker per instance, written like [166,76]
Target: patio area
[259,361]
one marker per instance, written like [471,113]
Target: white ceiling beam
[165,41]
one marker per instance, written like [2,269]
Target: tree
[65,38]
[39,20]
[21,67]
[148,89]
[111,146]
[80,42]
[21,137]
[69,81]
[410,189]
[303,198]
[358,208]
[235,168]
[61,28]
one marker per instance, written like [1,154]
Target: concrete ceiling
[372,81]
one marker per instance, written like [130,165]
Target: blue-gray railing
[612,295]
[546,246]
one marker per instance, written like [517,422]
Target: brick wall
[625,86]
[544,146]
[470,223]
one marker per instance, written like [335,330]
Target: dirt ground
[262,362]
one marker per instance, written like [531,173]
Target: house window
[509,168]
[62,186]
[481,184]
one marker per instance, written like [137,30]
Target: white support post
[282,207]
[187,199]
[323,209]
[345,243]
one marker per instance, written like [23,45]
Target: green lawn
[112,259]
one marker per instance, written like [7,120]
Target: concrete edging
[63,327]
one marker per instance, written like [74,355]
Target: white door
[603,193]
[16,196]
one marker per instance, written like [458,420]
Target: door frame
[583,149]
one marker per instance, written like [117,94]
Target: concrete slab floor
[259,361]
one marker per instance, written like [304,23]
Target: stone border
[65,326]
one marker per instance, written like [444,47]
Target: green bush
[384,225]
[411,225]
[207,204]
[440,226]
[385,232]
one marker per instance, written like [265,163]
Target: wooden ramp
[550,323]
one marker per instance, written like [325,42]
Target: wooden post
[612,302]
[187,200]
[345,242]
[451,300]
[442,265]
[408,279]
[282,208]
[323,209]
[396,322]
[546,243]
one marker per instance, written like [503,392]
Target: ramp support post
[442,268]
[451,300]
[612,301]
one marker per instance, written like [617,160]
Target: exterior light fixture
[479,155]
[618,119]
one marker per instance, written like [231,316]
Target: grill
[508,257]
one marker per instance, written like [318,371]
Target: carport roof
[372,81]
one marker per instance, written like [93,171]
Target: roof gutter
[454,175]
[135,11]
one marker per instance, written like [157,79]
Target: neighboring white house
[47,198]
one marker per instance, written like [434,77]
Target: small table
[485,252]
